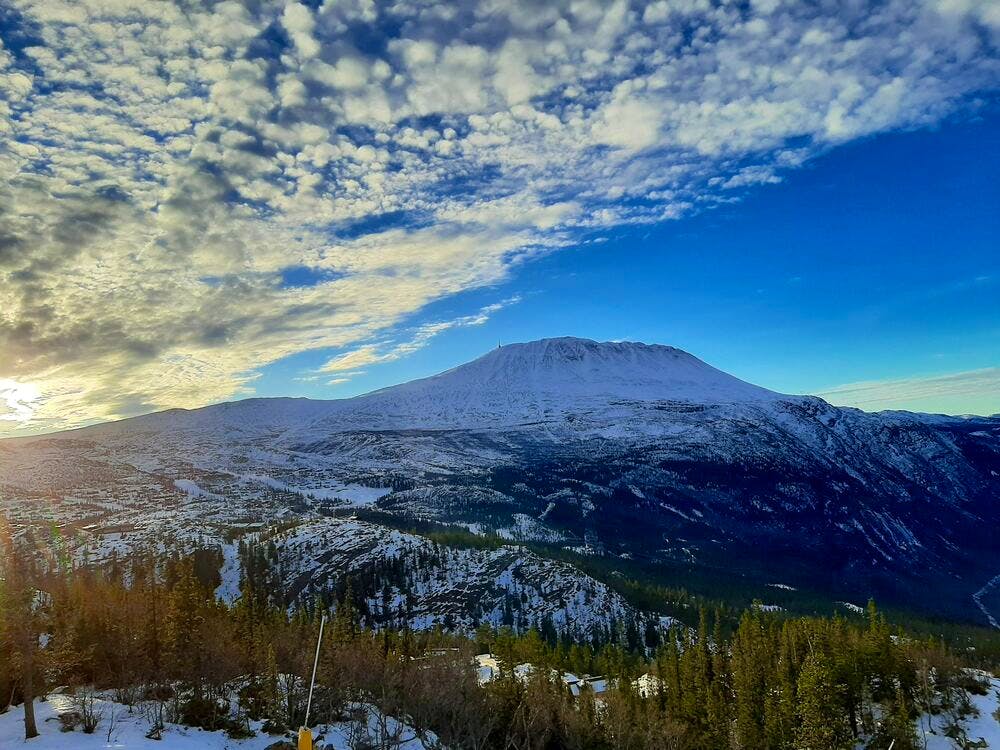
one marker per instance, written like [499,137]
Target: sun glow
[17,400]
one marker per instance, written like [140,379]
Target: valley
[641,457]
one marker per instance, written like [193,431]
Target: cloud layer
[949,394]
[165,167]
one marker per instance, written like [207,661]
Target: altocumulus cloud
[164,164]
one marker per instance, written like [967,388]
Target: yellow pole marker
[305,736]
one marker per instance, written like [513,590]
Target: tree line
[152,633]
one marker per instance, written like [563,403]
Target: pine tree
[897,729]
[270,695]
[6,652]
[780,704]
[345,618]
[749,674]
[877,658]
[672,678]
[22,619]
[822,724]
[719,689]
[531,648]
[151,595]
[185,629]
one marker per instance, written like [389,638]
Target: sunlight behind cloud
[17,400]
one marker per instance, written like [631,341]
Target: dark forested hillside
[622,452]
[154,634]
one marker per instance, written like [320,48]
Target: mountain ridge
[629,451]
[685,378]
[584,364]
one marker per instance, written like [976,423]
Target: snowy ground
[129,731]
[983,726]
[230,574]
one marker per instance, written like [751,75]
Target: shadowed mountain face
[626,450]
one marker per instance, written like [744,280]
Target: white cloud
[179,157]
[351,362]
[17,400]
[629,121]
[299,23]
[948,394]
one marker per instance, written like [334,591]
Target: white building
[488,669]
[647,685]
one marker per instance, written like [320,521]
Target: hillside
[619,451]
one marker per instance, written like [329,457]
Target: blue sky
[208,201]
[880,261]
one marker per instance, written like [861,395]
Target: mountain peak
[625,368]
[585,359]
[542,378]
[512,384]
[571,347]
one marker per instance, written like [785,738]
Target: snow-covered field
[120,728]
[983,725]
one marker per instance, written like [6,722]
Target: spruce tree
[22,619]
[185,629]
[822,724]
[897,726]
[749,672]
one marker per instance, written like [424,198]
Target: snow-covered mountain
[507,386]
[547,379]
[631,451]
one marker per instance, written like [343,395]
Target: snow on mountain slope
[624,448]
[981,728]
[574,388]
[420,585]
[399,579]
[537,380]
[508,385]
